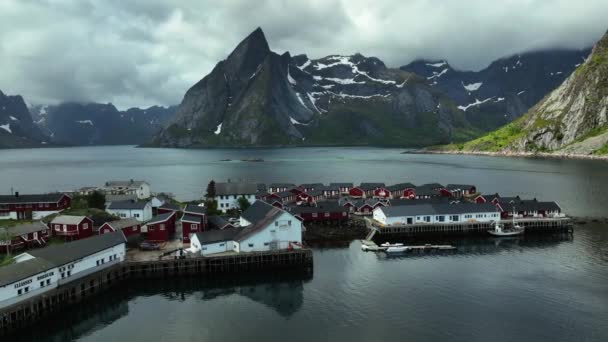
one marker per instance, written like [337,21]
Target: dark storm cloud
[144,52]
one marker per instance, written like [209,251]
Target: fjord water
[533,288]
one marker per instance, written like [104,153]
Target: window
[136,215]
[266,243]
[222,244]
[27,289]
[250,245]
[276,223]
[455,218]
[85,226]
[48,281]
[19,292]
[162,226]
[441,218]
[289,222]
[427,219]
[194,226]
[326,215]
[97,265]
[69,273]
[314,215]
[62,274]
[42,284]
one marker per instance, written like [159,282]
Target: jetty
[371,246]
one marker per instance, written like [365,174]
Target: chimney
[16,193]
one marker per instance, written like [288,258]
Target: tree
[210,189]
[97,200]
[211,206]
[243,203]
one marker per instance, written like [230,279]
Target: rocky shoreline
[513,154]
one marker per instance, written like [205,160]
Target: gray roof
[218,221]
[257,211]
[43,198]
[24,228]
[284,194]
[192,208]
[400,186]
[344,185]
[315,192]
[68,252]
[14,272]
[322,207]
[68,219]
[127,205]
[191,218]
[170,206]
[218,235]
[160,218]
[371,186]
[120,224]
[438,209]
[236,188]
[264,221]
[125,184]
[125,197]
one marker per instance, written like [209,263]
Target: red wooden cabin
[128,226]
[160,227]
[191,224]
[27,207]
[27,235]
[72,227]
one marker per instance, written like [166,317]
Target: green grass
[12,223]
[5,260]
[601,151]
[496,140]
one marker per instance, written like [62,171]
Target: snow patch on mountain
[289,78]
[218,129]
[305,65]
[313,101]
[476,103]
[85,122]
[7,127]
[296,122]
[437,74]
[343,80]
[13,118]
[437,65]
[472,86]
[300,99]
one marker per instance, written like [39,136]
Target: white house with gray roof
[436,213]
[263,228]
[129,187]
[227,194]
[41,270]
[141,211]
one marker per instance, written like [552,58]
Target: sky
[137,53]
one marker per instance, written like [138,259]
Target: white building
[141,211]
[436,213]
[263,228]
[40,270]
[139,188]
[227,194]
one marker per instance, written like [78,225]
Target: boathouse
[310,186]
[327,211]
[22,236]
[436,214]
[370,189]
[40,270]
[310,197]
[330,191]
[32,207]
[191,224]
[279,187]
[356,192]
[366,206]
[160,227]
[401,190]
[196,210]
[72,227]
[128,227]
[461,190]
[227,194]
[141,211]
[214,241]
[343,187]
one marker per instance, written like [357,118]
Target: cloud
[145,52]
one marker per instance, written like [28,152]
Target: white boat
[397,249]
[500,230]
[388,244]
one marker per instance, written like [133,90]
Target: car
[149,246]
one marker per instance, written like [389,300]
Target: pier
[27,312]
[532,225]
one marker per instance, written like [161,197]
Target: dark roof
[191,218]
[68,252]
[238,188]
[160,218]
[170,206]
[257,211]
[218,222]
[400,186]
[261,187]
[43,198]
[438,209]
[310,185]
[129,205]
[191,208]
[371,186]
[24,228]
[331,187]
[343,185]
[426,191]
[433,200]
[453,187]
[283,194]
[344,200]
[14,272]
[369,201]
[218,235]
[281,185]
[124,223]
[264,222]
[431,185]
[315,192]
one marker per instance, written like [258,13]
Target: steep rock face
[504,90]
[100,124]
[259,98]
[571,119]
[16,126]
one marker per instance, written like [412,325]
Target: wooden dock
[29,311]
[371,246]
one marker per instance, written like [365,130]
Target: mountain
[16,126]
[504,90]
[256,97]
[100,124]
[572,119]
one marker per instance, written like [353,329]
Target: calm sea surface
[532,288]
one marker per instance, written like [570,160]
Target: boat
[388,244]
[397,249]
